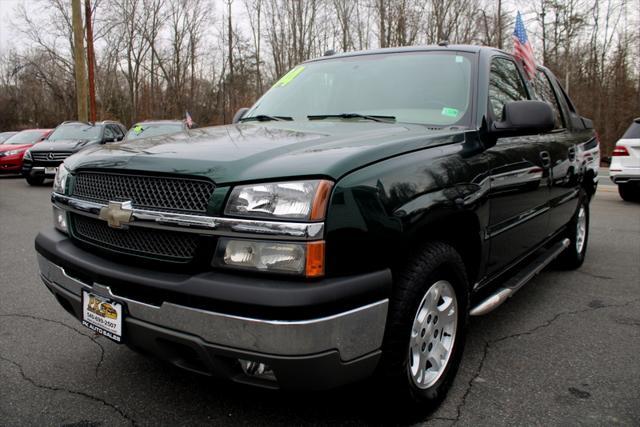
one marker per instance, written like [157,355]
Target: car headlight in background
[299,258]
[60,180]
[13,152]
[297,200]
[27,155]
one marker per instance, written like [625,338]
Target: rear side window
[544,92]
[505,85]
[634,130]
[108,133]
[116,131]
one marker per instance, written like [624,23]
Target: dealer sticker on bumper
[50,171]
[102,315]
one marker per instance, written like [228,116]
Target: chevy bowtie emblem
[51,156]
[117,214]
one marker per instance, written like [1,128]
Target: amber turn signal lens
[315,259]
[320,201]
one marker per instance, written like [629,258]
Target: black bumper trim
[266,298]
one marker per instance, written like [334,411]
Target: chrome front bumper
[352,333]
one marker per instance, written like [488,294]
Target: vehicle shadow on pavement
[215,398]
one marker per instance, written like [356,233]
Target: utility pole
[90,61]
[499,24]
[78,59]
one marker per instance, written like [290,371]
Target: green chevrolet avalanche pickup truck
[346,226]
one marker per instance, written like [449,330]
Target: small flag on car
[189,120]
[522,48]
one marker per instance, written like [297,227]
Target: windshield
[145,130]
[25,137]
[76,131]
[432,88]
[6,135]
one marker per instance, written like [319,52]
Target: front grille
[186,195]
[50,156]
[146,242]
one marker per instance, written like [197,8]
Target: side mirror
[106,140]
[524,118]
[239,114]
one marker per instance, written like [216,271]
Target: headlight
[299,200]
[275,257]
[27,155]
[13,152]
[60,181]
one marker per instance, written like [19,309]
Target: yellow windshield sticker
[137,129]
[287,78]
[449,112]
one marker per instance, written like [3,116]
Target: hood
[72,145]
[10,147]
[256,151]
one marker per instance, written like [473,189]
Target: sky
[11,38]
[8,35]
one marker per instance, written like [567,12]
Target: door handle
[546,159]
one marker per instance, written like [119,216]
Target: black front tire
[573,257]
[434,261]
[35,180]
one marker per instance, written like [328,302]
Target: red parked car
[12,150]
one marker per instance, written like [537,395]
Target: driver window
[505,85]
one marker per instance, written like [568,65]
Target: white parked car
[625,163]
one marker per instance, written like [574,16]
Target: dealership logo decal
[117,214]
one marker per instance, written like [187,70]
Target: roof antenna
[444,43]
[330,52]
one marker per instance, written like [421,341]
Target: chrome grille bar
[219,226]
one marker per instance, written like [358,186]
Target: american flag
[522,48]
[189,120]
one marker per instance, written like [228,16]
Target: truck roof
[444,48]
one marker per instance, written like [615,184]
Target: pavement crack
[533,330]
[549,322]
[93,338]
[475,375]
[595,276]
[66,390]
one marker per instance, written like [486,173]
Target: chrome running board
[519,280]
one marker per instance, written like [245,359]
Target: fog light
[257,369]
[276,257]
[60,219]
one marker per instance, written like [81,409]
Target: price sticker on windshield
[449,112]
[287,78]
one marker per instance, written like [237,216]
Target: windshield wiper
[375,118]
[266,118]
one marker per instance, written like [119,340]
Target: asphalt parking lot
[565,350]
